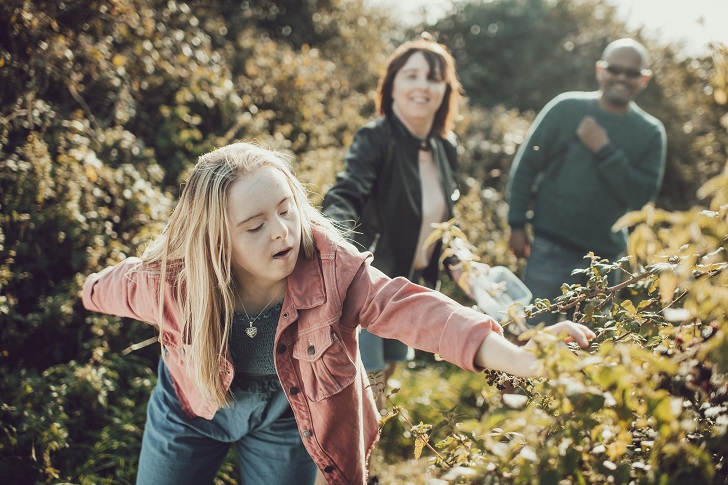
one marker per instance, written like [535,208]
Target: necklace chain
[252,331]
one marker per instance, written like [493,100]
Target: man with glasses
[589,158]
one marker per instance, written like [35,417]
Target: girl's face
[265,228]
[416,93]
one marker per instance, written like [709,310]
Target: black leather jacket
[378,194]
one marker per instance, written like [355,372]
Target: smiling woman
[417,93]
[400,177]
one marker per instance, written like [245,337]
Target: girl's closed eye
[256,228]
[285,208]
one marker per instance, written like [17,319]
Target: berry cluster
[504,381]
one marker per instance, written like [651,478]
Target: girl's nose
[280,229]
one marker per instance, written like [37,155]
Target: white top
[434,206]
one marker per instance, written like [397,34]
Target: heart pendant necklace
[252,331]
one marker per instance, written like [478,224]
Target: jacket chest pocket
[325,366]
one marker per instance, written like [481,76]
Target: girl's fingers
[577,332]
[569,331]
[582,340]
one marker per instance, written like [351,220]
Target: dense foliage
[104,105]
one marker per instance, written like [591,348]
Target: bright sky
[695,22]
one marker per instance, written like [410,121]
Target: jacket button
[294,391]
[329,469]
[311,350]
[281,348]
[306,433]
[285,315]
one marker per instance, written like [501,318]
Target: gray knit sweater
[579,203]
[254,356]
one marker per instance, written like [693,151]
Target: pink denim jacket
[317,356]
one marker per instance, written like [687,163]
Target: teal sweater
[578,203]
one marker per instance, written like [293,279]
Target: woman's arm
[499,354]
[345,201]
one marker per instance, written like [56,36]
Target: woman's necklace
[252,331]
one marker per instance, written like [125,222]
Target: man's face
[622,76]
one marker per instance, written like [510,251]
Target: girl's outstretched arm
[499,354]
[124,290]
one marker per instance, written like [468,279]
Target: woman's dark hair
[441,65]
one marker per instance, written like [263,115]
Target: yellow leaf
[91,174]
[629,307]
[720,96]
[724,120]
[628,220]
[420,443]
[644,304]
[118,60]
[642,243]
[668,284]
[433,237]
[383,420]
[618,448]
[664,411]
[654,284]
[712,186]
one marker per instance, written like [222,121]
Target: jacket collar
[306,283]
[404,135]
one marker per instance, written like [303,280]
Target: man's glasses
[630,72]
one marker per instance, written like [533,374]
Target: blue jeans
[549,266]
[376,351]
[177,449]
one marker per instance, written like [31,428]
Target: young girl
[258,301]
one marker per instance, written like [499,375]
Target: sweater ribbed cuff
[605,152]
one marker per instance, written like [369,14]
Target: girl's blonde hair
[193,255]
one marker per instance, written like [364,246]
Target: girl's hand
[499,354]
[567,331]
[572,332]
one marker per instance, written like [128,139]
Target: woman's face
[416,94]
[265,227]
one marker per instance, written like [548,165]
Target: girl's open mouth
[282,254]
